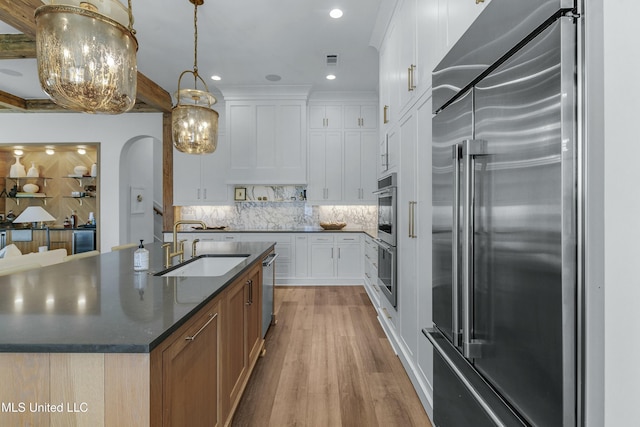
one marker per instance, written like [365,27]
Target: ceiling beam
[20,15]
[17,46]
[11,101]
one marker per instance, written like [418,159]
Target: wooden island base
[196,376]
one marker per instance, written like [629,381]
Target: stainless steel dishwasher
[268,282]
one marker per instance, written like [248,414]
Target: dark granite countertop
[53,228]
[101,305]
[308,229]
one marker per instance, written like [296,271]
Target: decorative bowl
[80,170]
[30,188]
[333,225]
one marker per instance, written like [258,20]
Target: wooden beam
[167,173]
[17,46]
[20,15]
[152,94]
[11,101]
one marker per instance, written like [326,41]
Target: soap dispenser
[141,258]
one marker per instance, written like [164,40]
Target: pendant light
[194,123]
[86,54]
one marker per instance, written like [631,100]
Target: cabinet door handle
[193,337]
[198,194]
[248,284]
[204,194]
[331,253]
[338,253]
[412,220]
[385,114]
[410,80]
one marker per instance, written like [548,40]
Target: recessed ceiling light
[18,152]
[331,77]
[82,151]
[216,77]
[50,151]
[335,13]
[273,77]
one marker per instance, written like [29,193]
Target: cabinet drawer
[352,238]
[322,238]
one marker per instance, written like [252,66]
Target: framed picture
[240,194]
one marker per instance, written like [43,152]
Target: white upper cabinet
[417,38]
[360,149]
[267,140]
[389,60]
[360,117]
[325,166]
[407,84]
[200,179]
[458,16]
[430,40]
[325,117]
[342,161]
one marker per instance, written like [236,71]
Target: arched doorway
[141,190]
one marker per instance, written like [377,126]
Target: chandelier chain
[131,30]
[195,38]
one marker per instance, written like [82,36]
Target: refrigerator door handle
[455,244]
[471,148]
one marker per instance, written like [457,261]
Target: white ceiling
[242,41]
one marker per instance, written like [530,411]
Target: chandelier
[194,123]
[86,54]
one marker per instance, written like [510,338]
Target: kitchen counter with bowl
[100,344]
[302,229]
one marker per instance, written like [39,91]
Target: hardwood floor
[328,363]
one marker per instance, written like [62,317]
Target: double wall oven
[387,230]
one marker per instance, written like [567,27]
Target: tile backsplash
[279,208]
[280,215]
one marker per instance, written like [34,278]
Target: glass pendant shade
[194,124]
[86,55]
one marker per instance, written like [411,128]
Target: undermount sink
[207,266]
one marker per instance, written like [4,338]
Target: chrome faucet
[178,246]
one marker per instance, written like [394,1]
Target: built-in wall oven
[387,230]
[387,209]
[387,271]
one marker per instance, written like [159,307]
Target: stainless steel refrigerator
[505,193]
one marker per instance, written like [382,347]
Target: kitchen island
[91,342]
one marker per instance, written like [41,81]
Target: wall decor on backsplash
[271,193]
[260,215]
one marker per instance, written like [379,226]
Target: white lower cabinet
[322,256]
[303,258]
[301,250]
[337,256]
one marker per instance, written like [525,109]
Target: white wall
[621,211]
[112,132]
[137,175]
